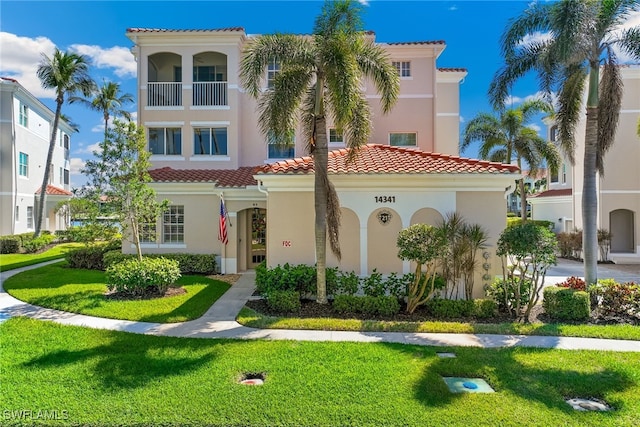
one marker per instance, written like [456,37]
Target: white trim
[209,107]
[9,193]
[164,124]
[619,192]
[447,114]
[170,108]
[232,86]
[161,246]
[630,111]
[211,123]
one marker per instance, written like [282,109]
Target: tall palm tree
[67,73]
[577,56]
[508,135]
[320,75]
[107,100]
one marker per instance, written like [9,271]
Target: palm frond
[375,64]
[611,90]
[569,108]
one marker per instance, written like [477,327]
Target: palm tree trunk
[320,159]
[523,201]
[47,168]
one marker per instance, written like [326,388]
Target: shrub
[565,303]
[616,299]
[574,283]
[301,278]
[142,277]
[397,285]
[506,297]
[381,305]
[511,222]
[188,263]
[449,308]
[89,257]
[9,245]
[347,284]
[283,301]
[373,285]
[38,243]
[604,243]
[485,308]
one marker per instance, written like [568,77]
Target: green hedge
[485,308]
[188,263]
[566,303]
[370,305]
[284,301]
[449,308]
[516,220]
[9,245]
[142,277]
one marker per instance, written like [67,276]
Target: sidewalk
[219,322]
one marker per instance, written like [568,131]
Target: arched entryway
[621,224]
[383,227]
[427,216]
[349,243]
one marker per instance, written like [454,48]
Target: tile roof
[553,193]
[167,30]
[240,177]
[377,158]
[452,70]
[416,43]
[55,191]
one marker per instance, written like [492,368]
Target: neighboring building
[25,131]
[205,143]
[533,185]
[618,189]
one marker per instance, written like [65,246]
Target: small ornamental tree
[527,251]
[422,244]
[120,178]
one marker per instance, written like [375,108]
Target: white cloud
[453,8]
[364,2]
[89,149]
[20,57]
[76,165]
[632,21]
[536,37]
[461,119]
[119,58]
[512,100]
[535,127]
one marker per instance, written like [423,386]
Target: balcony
[208,94]
[164,94]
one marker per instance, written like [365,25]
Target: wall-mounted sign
[385,199]
[286,243]
[384,216]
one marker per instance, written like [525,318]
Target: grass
[107,378]
[12,261]
[82,291]
[251,318]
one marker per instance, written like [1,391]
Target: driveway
[567,268]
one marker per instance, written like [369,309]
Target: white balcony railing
[164,94]
[210,93]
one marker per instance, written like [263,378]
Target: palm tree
[508,135]
[67,73]
[107,100]
[320,75]
[577,56]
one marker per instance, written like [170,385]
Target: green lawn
[107,378]
[11,261]
[254,319]
[82,291]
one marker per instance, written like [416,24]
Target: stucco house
[25,130]
[206,145]
[618,188]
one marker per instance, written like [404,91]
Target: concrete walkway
[219,322]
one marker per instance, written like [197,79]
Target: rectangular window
[210,141]
[554,176]
[554,133]
[204,74]
[165,141]
[148,232]
[24,115]
[273,68]
[335,137]
[23,164]
[403,68]
[405,139]
[564,173]
[65,139]
[29,216]
[173,225]
[66,177]
[280,150]
[17,213]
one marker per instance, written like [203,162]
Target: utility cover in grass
[467,385]
[446,355]
[588,405]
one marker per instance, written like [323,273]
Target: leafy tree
[67,73]
[576,56]
[528,250]
[96,223]
[107,100]
[423,244]
[320,75]
[120,179]
[507,135]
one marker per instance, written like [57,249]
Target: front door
[258,248]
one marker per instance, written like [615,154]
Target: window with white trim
[29,216]
[279,149]
[335,136]
[273,68]
[403,68]
[554,176]
[553,133]
[210,141]
[403,139]
[148,232]
[165,141]
[23,164]
[65,176]
[173,224]
[24,115]
[65,144]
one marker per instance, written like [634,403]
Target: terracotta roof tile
[167,30]
[240,177]
[452,70]
[554,193]
[417,43]
[55,191]
[377,158]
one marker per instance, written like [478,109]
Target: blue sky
[470,28]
